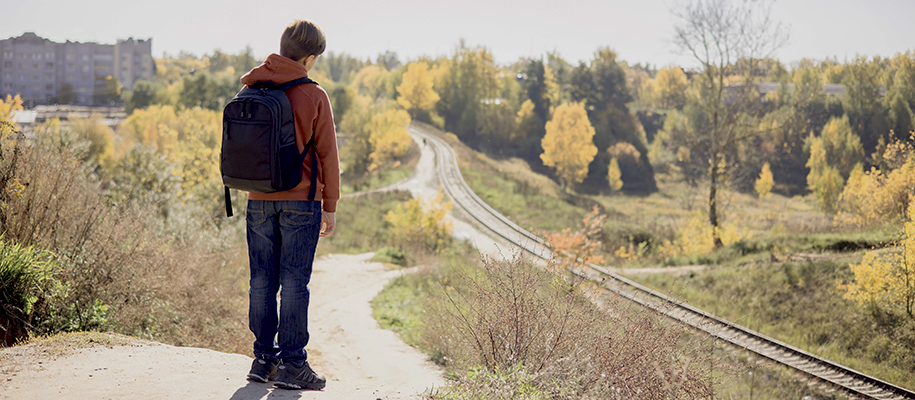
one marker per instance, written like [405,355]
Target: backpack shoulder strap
[293,83]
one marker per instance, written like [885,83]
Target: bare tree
[730,39]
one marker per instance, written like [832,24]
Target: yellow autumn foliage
[695,237]
[886,279]
[190,139]
[873,197]
[765,182]
[416,88]
[420,223]
[7,107]
[614,175]
[100,137]
[567,145]
[388,137]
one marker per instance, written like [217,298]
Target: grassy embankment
[72,259]
[779,279]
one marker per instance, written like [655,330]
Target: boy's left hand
[327,223]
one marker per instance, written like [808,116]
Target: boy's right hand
[328,222]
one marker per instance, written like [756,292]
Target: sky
[639,31]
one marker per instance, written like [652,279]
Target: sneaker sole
[293,386]
[257,378]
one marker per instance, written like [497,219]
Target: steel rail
[846,379]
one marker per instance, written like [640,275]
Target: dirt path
[359,359]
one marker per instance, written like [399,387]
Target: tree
[108,92]
[824,180]
[900,96]
[567,145]
[843,148]
[244,61]
[415,90]
[535,84]
[862,102]
[100,137]
[388,60]
[719,34]
[467,79]
[614,174]
[602,87]
[203,90]
[66,94]
[669,88]
[341,99]
[389,138]
[143,95]
[339,67]
[7,108]
[765,182]
[887,279]
[355,153]
[420,224]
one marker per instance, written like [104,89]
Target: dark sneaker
[290,376]
[262,370]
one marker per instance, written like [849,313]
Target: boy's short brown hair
[302,39]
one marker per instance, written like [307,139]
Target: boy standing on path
[283,227]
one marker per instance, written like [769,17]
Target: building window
[21,88]
[21,65]
[8,75]
[7,85]
[35,66]
[49,76]
[7,54]
[36,88]
[71,77]
[7,64]
[36,77]
[49,56]
[71,66]
[85,57]
[85,77]
[49,87]
[49,65]
[36,56]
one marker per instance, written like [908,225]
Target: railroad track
[853,383]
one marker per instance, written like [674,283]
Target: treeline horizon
[639,112]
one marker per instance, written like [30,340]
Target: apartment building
[45,72]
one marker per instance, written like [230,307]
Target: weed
[510,317]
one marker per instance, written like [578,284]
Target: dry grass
[527,333]
[117,268]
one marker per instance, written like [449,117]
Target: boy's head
[302,39]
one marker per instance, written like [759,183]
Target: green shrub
[391,255]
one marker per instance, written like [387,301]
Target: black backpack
[259,153]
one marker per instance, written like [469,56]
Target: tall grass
[118,266]
[508,329]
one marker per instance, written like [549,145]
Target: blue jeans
[282,237]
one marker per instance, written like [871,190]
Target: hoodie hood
[277,69]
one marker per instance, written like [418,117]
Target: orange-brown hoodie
[313,116]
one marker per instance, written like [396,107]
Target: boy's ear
[304,60]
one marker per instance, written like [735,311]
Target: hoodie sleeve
[326,147]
